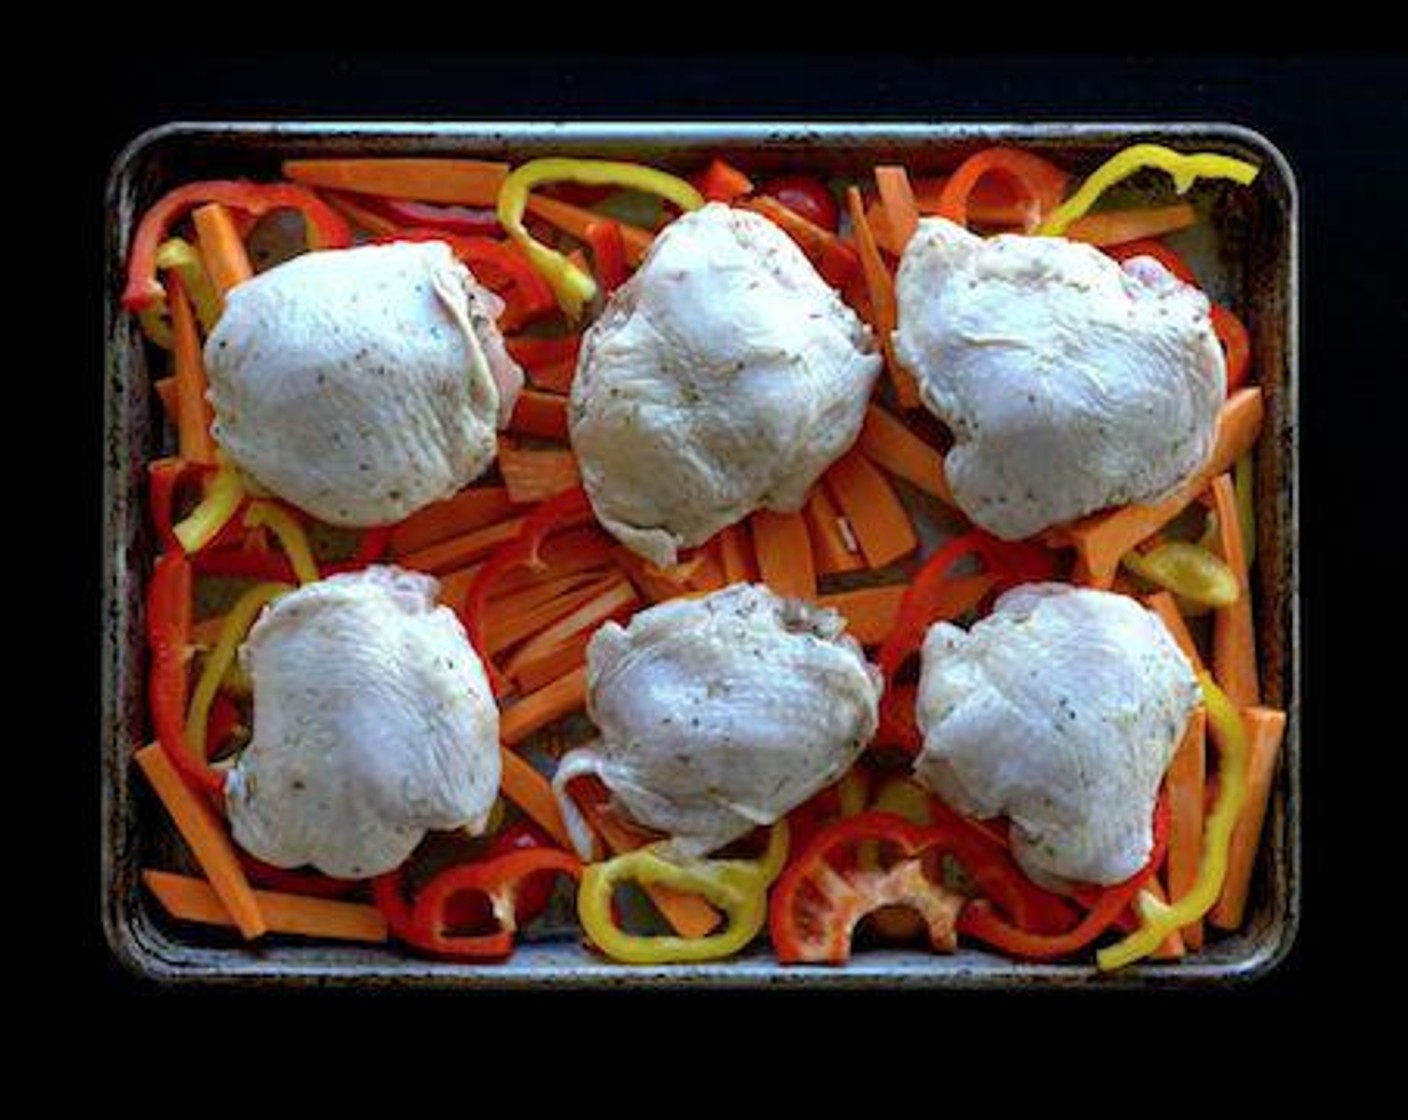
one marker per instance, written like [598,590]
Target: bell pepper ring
[573,287]
[823,895]
[979,921]
[738,887]
[1185,168]
[326,227]
[1159,919]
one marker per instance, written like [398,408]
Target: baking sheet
[1251,263]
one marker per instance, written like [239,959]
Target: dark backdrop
[1338,114]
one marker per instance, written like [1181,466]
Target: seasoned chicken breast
[725,376]
[373,723]
[361,384]
[1070,383]
[721,713]
[1062,709]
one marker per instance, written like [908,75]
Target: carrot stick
[892,444]
[472,508]
[221,247]
[447,555]
[654,583]
[1233,628]
[881,523]
[1266,729]
[209,841]
[1115,227]
[532,793]
[833,541]
[469,182]
[540,414]
[504,627]
[1165,606]
[575,219]
[897,197]
[1185,782]
[562,554]
[784,552]
[611,602]
[536,474]
[1101,539]
[880,287]
[869,612]
[736,555]
[194,900]
[536,710]
[193,411]
[542,669]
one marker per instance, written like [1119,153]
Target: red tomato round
[807,196]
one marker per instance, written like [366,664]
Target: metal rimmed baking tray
[1247,253]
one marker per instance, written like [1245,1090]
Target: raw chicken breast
[725,376]
[373,723]
[1070,383]
[361,384]
[721,713]
[1062,709]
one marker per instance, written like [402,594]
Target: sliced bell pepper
[1041,183]
[326,228]
[462,221]
[738,887]
[1185,168]
[501,267]
[292,538]
[1012,563]
[574,287]
[1190,571]
[823,894]
[980,921]
[224,495]
[169,607]
[608,249]
[1159,919]
[502,879]
[505,878]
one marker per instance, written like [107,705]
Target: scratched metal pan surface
[1247,252]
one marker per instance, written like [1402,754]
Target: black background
[1337,112]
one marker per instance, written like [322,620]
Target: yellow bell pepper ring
[573,287]
[1159,919]
[1185,168]
[291,537]
[737,887]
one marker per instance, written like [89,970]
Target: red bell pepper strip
[425,923]
[1014,562]
[822,895]
[978,919]
[288,881]
[558,512]
[500,266]
[164,477]
[1042,183]
[720,181]
[326,227]
[372,545]
[982,850]
[169,607]
[807,196]
[603,237]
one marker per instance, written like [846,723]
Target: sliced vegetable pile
[871,860]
